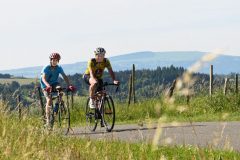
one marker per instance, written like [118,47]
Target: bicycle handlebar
[111,84]
[55,90]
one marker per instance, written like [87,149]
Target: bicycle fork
[100,112]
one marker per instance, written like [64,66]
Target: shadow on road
[85,131]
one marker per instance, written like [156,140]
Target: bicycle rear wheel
[91,118]
[108,113]
[64,117]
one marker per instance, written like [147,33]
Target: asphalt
[216,135]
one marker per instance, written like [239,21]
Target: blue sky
[30,30]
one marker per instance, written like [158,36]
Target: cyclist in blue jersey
[49,80]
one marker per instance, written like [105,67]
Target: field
[21,81]
[200,108]
[41,144]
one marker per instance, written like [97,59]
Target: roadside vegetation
[151,106]
[219,107]
[26,139]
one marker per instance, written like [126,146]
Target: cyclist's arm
[65,78]
[111,73]
[45,80]
[109,67]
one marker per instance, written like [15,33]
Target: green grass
[28,140]
[21,81]
[200,108]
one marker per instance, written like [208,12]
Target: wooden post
[67,99]
[1,98]
[188,99]
[133,83]
[130,89]
[236,83]
[211,81]
[41,102]
[72,99]
[28,110]
[170,93]
[19,107]
[225,86]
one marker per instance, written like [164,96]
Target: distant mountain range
[223,64]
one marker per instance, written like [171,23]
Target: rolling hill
[145,60]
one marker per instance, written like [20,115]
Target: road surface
[218,135]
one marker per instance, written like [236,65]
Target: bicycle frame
[62,111]
[99,99]
[102,101]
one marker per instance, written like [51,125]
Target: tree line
[149,83]
[5,75]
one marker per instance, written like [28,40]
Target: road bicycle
[60,112]
[104,111]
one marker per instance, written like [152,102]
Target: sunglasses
[99,54]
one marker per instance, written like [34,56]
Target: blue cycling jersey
[52,75]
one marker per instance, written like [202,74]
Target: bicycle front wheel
[64,117]
[91,118]
[108,113]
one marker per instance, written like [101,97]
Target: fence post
[170,93]
[72,99]
[188,99]
[225,86]
[19,107]
[41,102]
[211,81]
[133,83]
[130,89]
[67,99]
[1,99]
[236,83]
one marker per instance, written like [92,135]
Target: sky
[32,29]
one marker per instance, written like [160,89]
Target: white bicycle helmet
[99,50]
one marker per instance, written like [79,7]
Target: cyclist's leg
[92,85]
[99,85]
[47,106]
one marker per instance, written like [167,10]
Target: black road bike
[104,111]
[60,112]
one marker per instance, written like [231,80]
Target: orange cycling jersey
[98,67]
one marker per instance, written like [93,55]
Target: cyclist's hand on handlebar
[48,89]
[116,82]
[71,88]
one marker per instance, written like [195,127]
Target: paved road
[221,135]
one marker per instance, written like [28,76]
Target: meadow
[26,139]
[21,81]
[41,144]
[219,107]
